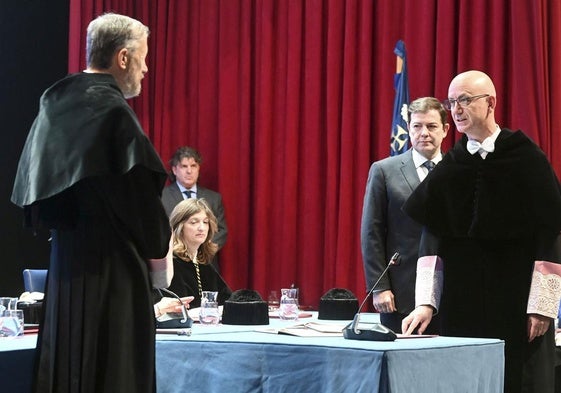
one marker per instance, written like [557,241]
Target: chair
[34,280]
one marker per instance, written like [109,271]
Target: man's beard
[130,87]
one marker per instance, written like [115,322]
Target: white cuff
[161,270]
[545,290]
[428,286]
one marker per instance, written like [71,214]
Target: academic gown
[489,220]
[89,173]
[184,282]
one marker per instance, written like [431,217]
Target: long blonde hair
[179,215]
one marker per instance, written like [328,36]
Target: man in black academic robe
[490,247]
[90,175]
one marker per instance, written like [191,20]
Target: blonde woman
[193,228]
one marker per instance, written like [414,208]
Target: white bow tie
[474,146]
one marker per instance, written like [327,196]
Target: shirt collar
[419,160]
[181,188]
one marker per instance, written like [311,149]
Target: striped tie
[429,165]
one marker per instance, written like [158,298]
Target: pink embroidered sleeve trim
[428,286]
[545,290]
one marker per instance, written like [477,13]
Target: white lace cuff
[545,291]
[428,286]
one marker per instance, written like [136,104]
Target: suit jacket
[171,196]
[386,229]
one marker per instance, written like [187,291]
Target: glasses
[462,101]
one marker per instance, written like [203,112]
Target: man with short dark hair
[385,228]
[185,169]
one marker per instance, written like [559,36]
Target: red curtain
[290,101]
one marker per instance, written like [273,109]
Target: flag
[399,141]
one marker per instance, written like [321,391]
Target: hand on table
[419,319]
[171,304]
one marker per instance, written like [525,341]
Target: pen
[179,332]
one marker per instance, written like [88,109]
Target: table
[16,363]
[239,359]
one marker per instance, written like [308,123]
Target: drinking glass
[11,323]
[8,303]
[209,313]
[273,301]
[288,308]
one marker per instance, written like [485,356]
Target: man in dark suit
[185,166]
[385,228]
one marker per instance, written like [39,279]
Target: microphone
[186,322]
[375,331]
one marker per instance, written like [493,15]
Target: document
[309,329]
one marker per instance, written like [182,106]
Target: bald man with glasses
[490,249]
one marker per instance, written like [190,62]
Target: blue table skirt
[239,359]
[241,367]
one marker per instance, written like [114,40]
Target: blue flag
[399,142]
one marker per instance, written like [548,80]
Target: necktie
[474,146]
[187,194]
[429,165]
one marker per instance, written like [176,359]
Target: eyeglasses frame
[450,103]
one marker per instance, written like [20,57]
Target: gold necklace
[194,260]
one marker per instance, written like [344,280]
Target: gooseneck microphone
[374,331]
[175,323]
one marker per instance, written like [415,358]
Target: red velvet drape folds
[290,101]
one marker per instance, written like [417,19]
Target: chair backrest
[34,280]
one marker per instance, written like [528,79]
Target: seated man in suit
[185,167]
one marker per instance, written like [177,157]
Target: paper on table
[325,327]
[399,335]
[310,329]
[302,314]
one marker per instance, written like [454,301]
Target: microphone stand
[377,331]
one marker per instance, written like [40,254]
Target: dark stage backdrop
[34,49]
[290,101]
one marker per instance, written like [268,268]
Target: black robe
[90,174]
[184,282]
[489,220]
